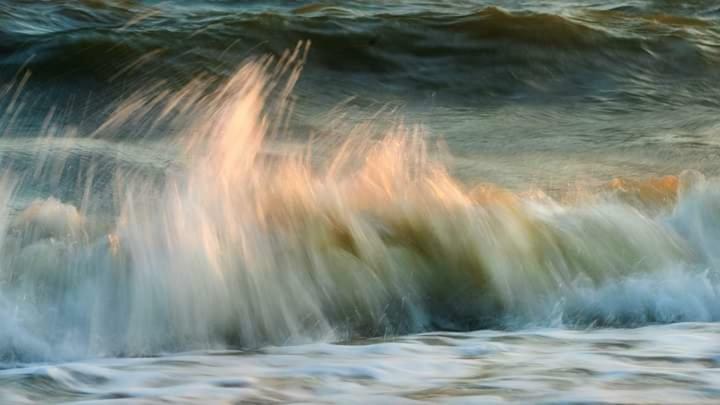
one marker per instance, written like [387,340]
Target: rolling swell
[237,248]
[484,51]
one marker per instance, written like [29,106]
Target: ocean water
[359,202]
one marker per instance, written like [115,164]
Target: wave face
[470,50]
[242,242]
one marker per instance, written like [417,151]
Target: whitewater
[236,247]
[253,237]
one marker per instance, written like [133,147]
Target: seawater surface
[353,201]
[643,365]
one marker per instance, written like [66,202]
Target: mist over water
[386,202]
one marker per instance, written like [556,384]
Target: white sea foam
[235,247]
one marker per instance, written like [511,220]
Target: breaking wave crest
[234,245]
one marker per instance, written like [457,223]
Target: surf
[240,244]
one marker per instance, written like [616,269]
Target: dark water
[470,201]
[637,80]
